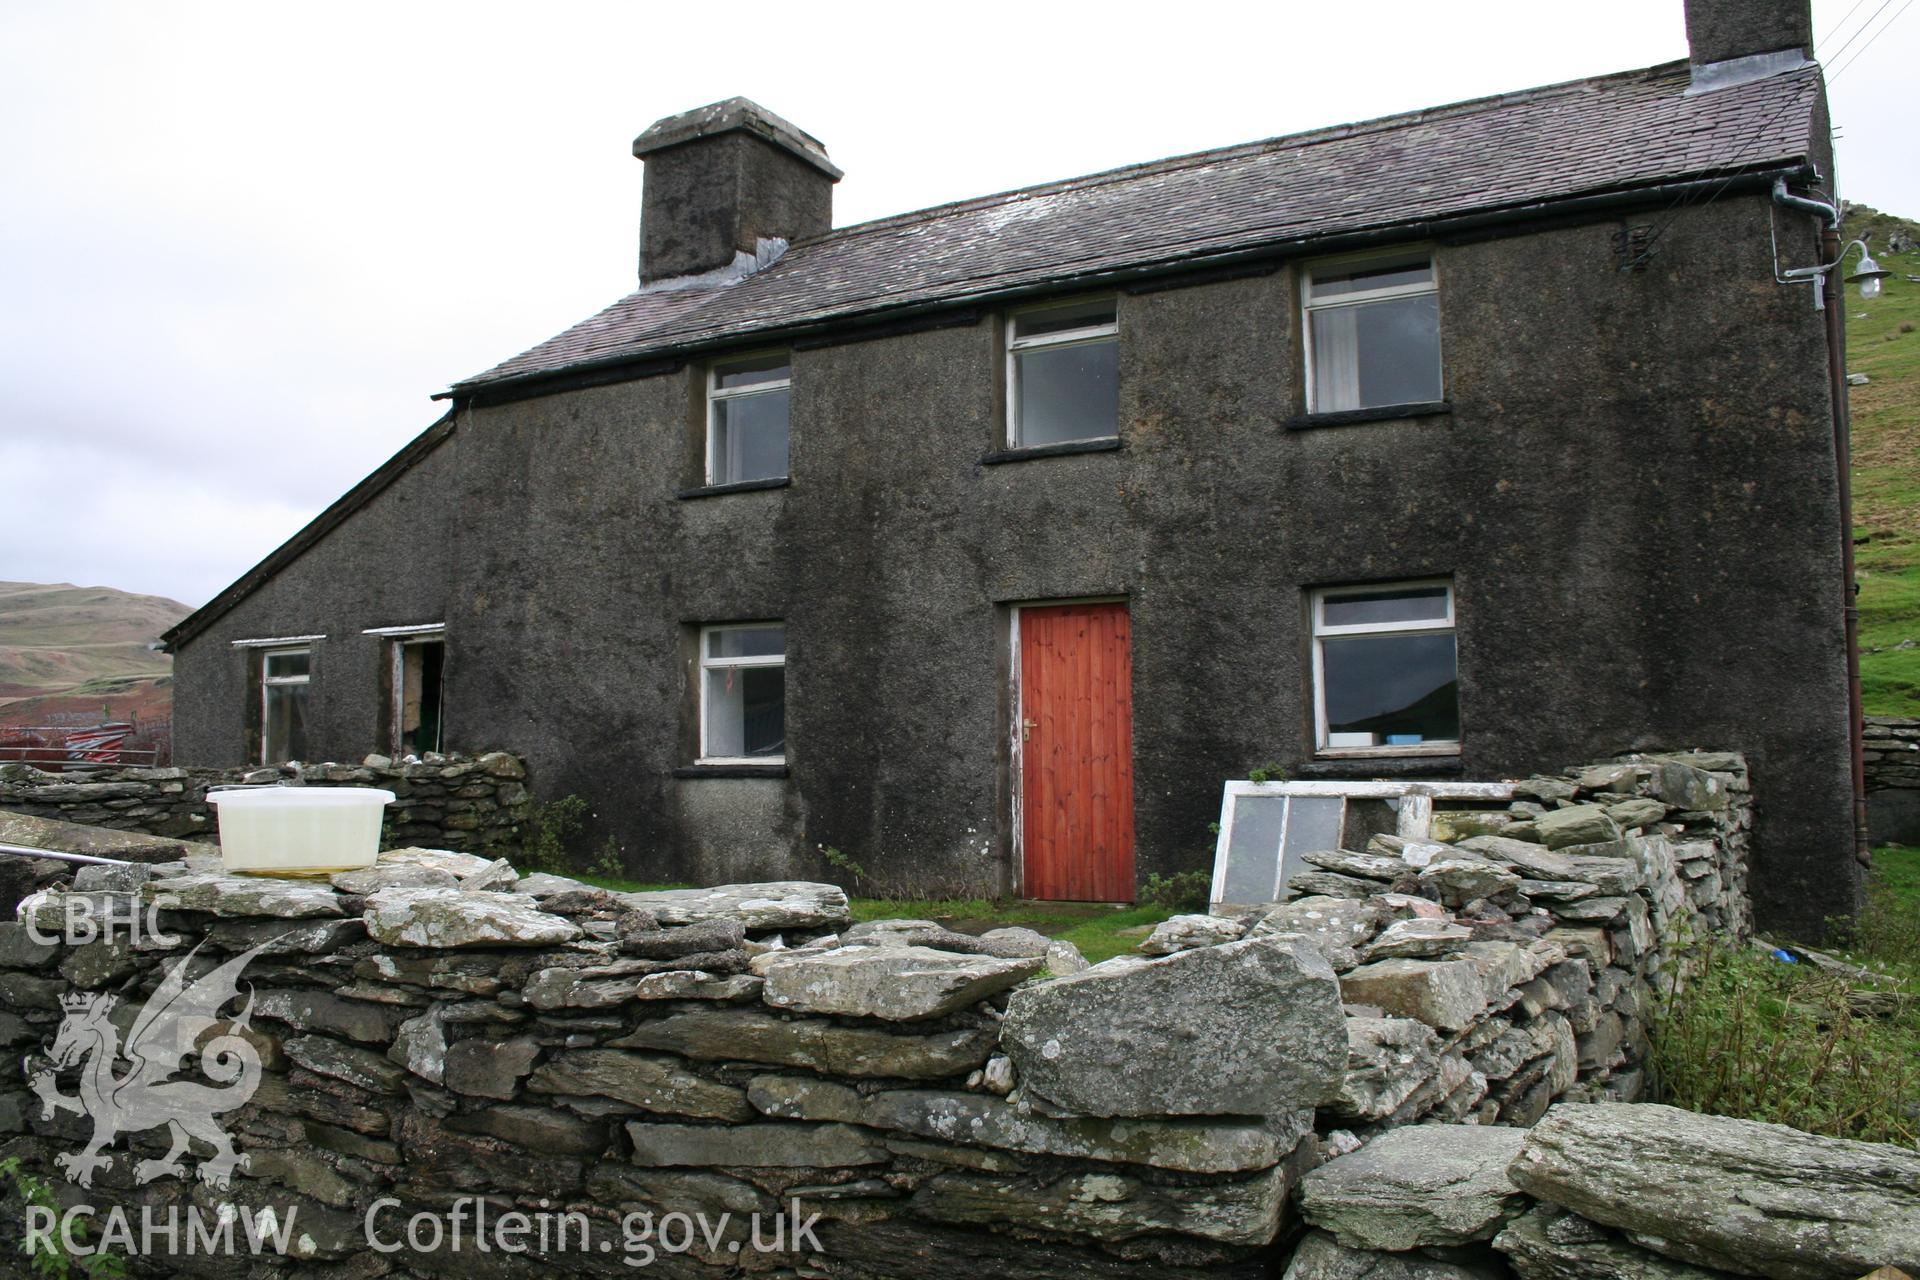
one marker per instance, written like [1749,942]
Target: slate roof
[1617,132]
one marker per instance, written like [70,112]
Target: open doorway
[418,665]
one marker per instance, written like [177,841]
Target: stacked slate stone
[1892,758]
[451,801]
[1613,1191]
[440,1027]
[1511,960]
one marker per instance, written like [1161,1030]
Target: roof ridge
[1195,159]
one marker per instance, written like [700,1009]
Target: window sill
[731,771]
[1382,413]
[1383,762]
[742,486]
[1066,448]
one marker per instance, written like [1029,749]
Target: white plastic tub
[299,831]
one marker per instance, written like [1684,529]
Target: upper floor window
[1373,334]
[743,694]
[747,404]
[1384,669]
[1063,374]
[284,678]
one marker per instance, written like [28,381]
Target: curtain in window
[1336,359]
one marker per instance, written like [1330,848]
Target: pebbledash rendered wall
[445,801]
[440,1029]
[1633,492]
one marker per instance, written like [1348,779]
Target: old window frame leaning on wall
[1379,633]
[727,727]
[749,405]
[1350,311]
[1076,346]
[294,695]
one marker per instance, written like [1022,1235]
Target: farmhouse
[981,543]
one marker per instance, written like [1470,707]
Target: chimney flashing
[735,115]
[1725,74]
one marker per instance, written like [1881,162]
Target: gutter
[661,359]
[1833,305]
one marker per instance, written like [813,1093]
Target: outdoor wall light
[1868,275]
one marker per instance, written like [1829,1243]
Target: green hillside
[1883,342]
[54,637]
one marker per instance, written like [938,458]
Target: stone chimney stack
[722,179]
[1725,30]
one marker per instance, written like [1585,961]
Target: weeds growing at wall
[46,1257]
[1182,891]
[1819,1048]
[551,828]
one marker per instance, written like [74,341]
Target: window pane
[286,736]
[1068,393]
[747,642]
[750,438]
[748,373]
[1392,690]
[289,664]
[1253,855]
[1378,276]
[1416,604]
[1377,353]
[746,712]
[1084,315]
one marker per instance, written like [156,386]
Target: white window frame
[1321,630]
[1335,266]
[707,664]
[268,681]
[1109,332]
[717,393]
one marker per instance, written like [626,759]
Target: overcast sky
[241,244]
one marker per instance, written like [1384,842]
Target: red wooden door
[1076,753]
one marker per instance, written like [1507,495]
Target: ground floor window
[743,694]
[1384,668]
[284,679]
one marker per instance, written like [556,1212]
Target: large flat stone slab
[775,904]
[1736,1195]
[744,1035]
[902,984]
[1321,1257]
[94,842]
[1417,1187]
[1249,1028]
[245,896]
[1548,1243]
[647,1081]
[974,1119]
[1108,1206]
[457,918]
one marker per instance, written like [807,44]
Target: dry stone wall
[1511,960]
[443,801]
[1892,750]
[440,1039]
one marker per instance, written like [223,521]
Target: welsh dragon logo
[167,1031]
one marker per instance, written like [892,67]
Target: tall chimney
[721,179]
[1723,30]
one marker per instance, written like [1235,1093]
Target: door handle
[1026,729]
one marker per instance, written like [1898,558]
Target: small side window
[747,403]
[1384,670]
[284,678]
[1063,374]
[743,694]
[1373,335]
